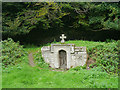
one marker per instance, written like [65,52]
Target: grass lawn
[23,75]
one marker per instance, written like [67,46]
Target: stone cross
[62,37]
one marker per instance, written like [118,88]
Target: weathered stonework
[64,55]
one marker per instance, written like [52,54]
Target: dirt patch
[89,61]
[31,60]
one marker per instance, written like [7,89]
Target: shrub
[106,57]
[11,52]
[39,60]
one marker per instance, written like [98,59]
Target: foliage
[104,16]
[106,57]
[95,16]
[46,14]
[21,18]
[11,52]
[39,60]
[10,21]
[37,15]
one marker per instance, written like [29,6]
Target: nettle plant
[11,52]
[106,57]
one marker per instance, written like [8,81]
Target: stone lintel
[72,46]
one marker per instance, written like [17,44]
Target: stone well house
[64,55]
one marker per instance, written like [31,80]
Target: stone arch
[62,59]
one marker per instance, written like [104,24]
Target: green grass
[88,44]
[83,43]
[24,76]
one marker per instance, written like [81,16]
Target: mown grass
[24,76]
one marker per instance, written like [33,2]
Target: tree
[40,14]
[95,16]
[104,16]
[21,18]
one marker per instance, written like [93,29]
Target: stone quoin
[63,55]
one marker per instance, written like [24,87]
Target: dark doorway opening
[63,59]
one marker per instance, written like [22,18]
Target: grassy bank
[23,75]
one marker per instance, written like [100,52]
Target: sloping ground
[89,61]
[25,76]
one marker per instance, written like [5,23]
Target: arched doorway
[63,59]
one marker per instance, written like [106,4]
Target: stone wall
[75,56]
[47,55]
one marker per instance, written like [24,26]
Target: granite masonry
[63,55]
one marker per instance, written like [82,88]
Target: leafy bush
[106,57]
[39,60]
[11,52]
